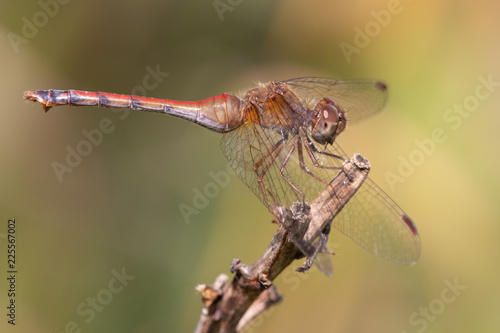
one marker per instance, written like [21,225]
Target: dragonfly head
[329,121]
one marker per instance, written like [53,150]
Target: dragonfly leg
[311,149]
[304,167]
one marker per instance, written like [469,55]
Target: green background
[119,208]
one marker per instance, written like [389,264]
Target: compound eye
[330,114]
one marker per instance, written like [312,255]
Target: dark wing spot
[410,224]
[381,85]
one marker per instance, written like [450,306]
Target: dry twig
[229,307]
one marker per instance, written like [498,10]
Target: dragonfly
[279,138]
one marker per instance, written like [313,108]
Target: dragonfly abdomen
[218,113]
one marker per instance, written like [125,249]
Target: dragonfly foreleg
[311,149]
[304,167]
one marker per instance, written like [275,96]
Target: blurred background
[116,240]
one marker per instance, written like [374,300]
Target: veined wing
[371,218]
[359,98]
[375,222]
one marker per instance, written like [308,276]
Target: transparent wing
[371,218]
[255,152]
[376,223]
[359,98]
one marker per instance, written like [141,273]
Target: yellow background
[119,208]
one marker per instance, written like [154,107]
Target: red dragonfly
[279,138]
